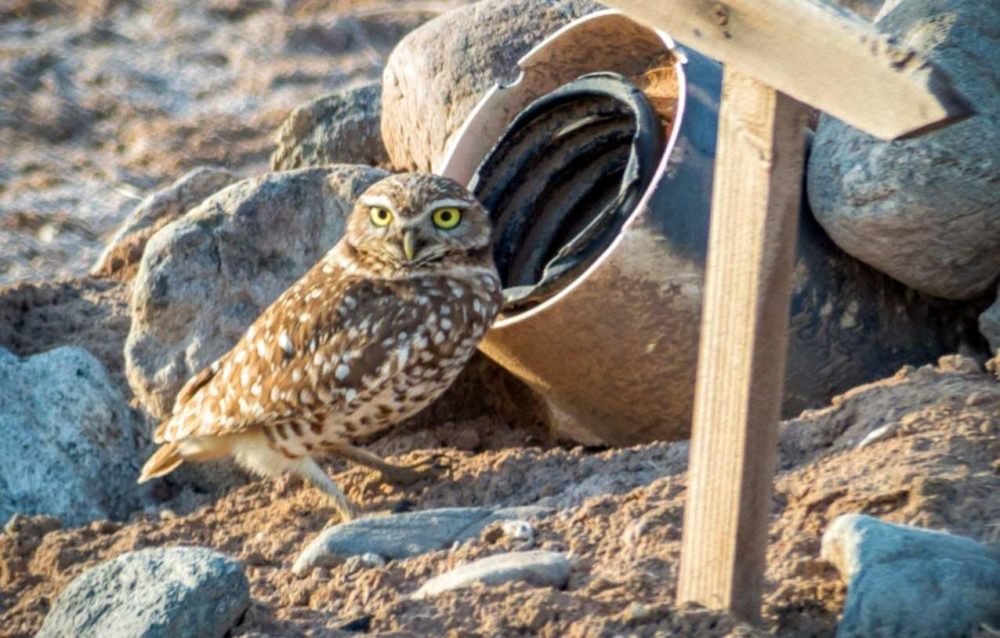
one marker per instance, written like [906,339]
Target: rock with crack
[439,71]
[121,256]
[405,535]
[339,127]
[540,568]
[905,581]
[71,443]
[153,593]
[204,278]
[926,210]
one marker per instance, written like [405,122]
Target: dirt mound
[921,447]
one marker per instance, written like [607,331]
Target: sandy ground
[618,515]
[104,101]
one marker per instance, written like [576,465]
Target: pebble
[540,568]
[404,535]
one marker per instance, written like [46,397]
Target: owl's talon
[431,467]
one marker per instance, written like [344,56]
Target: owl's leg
[401,475]
[310,471]
[254,451]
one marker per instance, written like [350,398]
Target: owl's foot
[399,475]
[431,467]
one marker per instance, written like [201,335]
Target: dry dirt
[618,514]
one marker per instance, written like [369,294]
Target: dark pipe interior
[563,178]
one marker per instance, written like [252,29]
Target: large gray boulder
[153,593]
[343,126]
[905,581]
[71,445]
[439,71]
[121,256]
[926,210]
[204,278]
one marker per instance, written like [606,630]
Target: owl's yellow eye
[447,218]
[380,216]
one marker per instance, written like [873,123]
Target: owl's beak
[411,244]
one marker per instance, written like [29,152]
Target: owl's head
[415,219]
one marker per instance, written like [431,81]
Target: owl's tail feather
[164,461]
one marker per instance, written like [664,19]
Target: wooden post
[837,63]
[754,224]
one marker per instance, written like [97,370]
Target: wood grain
[817,53]
[752,237]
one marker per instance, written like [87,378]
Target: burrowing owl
[372,334]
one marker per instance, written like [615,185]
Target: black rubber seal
[563,178]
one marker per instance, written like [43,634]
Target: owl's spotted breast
[352,353]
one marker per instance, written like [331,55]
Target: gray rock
[989,324]
[905,581]
[538,567]
[339,127]
[926,211]
[439,71]
[168,592]
[404,535]
[71,444]
[121,255]
[205,277]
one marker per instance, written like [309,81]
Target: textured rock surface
[70,442]
[437,73]
[906,581]
[204,278]
[989,324]
[338,127]
[540,568]
[177,591]
[927,210]
[404,535]
[122,254]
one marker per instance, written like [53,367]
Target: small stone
[636,612]
[371,559]
[519,531]
[906,581]
[540,568]
[979,398]
[878,434]
[404,535]
[154,593]
[959,363]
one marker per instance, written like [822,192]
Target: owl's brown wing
[317,347]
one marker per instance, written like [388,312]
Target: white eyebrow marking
[379,201]
[447,203]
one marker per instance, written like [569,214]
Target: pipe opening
[563,178]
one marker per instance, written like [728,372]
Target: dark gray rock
[204,278]
[439,71]
[122,254]
[152,593]
[404,535]
[71,443]
[339,127]
[538,567]
[926,211]
[905,581]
